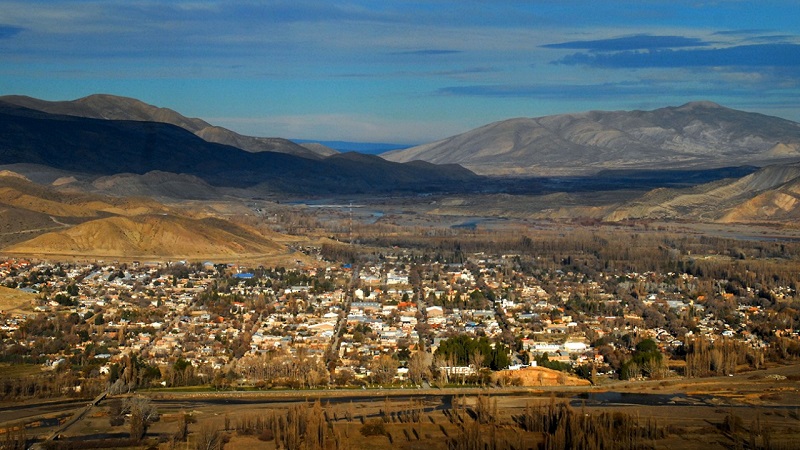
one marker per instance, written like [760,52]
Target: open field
[8,370]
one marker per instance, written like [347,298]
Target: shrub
[373,428]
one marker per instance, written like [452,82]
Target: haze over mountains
[695,135]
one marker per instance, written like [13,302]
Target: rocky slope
[695,135]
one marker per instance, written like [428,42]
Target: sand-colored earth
[540,376]
[14,299]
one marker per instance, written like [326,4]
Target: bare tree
[384,369]
[142,414]
[419,366]
[210,438]
[476,360]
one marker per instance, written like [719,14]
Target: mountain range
[123,149]
[106,147]
[695,135]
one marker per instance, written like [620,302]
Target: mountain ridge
[113,107]
[110,147]
[769,194]
[696,134]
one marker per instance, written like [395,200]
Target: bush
[266,435]
[373,428]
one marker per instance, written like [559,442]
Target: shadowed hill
[111,107]
[109,147]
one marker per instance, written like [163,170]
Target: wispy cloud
[428,52]
[637,42]
[764,55]
[741,32]
[549,91]
[775,38]
[633,90]
[9,31]
[364,70]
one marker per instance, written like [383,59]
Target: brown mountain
[112,107]
[695,135]
[18,192]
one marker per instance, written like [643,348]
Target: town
[386,320]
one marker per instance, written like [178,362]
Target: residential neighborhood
[166,324]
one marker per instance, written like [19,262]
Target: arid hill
[149,236]
[539,376]
[695,135]
[768,195]
[41,221]
[14,299]
[23,194]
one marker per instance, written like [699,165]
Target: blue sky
[403,71]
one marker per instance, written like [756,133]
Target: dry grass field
[15,300]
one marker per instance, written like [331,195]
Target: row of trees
[464,350]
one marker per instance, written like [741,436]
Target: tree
[476,359]
[499,357]
[384,368]
[419,367]
[142,414]
[647,360]
[344,376]
[210,438]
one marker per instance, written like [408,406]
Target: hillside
[101,147]
[15,300]
[111,107]
[148,236]
[770,194]
[155,184]
[695,135]
[20,193]
[39,220]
